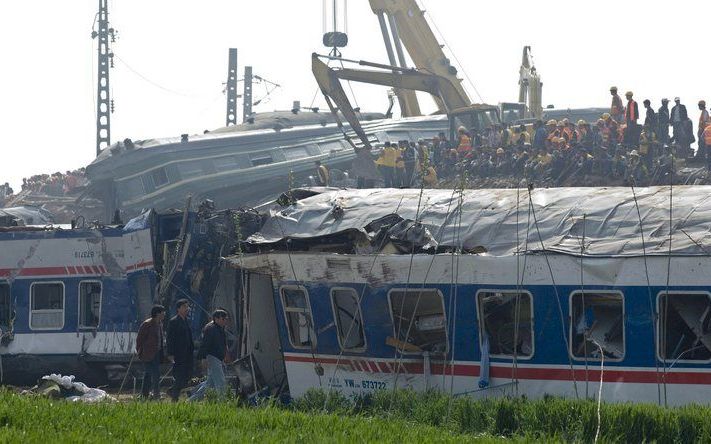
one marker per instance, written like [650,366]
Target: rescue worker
[631,134]
[707,140]
[616,108]
[650,118]
[399,180]
[678,117]
[663,122]
[521,136]
[647,141]
[430,176]
[464,146]
[703,122]
[540,134]
[322,174]
[386,164]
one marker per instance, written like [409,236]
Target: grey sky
[47,83]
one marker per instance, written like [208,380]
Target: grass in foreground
[30,419]
[382,417]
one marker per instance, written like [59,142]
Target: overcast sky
[172,61]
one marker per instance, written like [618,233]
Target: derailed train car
[485,292]
[72,298]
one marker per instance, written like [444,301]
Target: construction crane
[529,105]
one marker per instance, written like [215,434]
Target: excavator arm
[530,85]
[329,81]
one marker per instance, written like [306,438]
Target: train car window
[349,319]
[299,320]
[597,325]
[47,306]
[684,327]
[5,307]
[159,177]
[89,304]
[419,322]
[506,323]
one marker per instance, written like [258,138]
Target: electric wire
[654,317]
[557,296]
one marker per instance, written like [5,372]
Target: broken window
[5,308]
[506,318]
[299,321]
[418,320]
[685,326]
[160,177]
[349,320]
[89,304]
[47,306]
[597,323]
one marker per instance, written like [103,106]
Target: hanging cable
[555,289]
[151,82]
[654,317]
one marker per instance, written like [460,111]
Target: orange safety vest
[630,115]
[707,135]
[703,119]
[465,143]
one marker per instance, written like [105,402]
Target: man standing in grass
[149,346]
[212,349]
[180,348]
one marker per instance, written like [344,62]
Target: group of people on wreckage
[153,348]
[616,146]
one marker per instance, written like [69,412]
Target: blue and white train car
[490,292]
[70,297]
[71,300]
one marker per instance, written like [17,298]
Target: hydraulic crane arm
[530,85]
[409,26]
[328,80]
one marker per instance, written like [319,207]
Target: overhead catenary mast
[231,88]
[104,104]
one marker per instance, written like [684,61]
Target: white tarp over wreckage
[617,221]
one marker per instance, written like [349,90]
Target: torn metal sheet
[498,222]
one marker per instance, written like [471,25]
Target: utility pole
[232,88]
[247,96]
[104,103]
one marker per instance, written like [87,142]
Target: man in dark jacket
[213,348]
[149,346]
[663,122]
[678,118]
[180,348]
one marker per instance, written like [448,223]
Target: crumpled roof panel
[506,221]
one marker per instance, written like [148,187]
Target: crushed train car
[235,166]
[71,299]
[485,292]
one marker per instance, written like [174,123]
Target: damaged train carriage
[486,292]
[71,300]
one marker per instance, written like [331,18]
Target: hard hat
[561,123]
[702,102]
[552,122]
[628,94]
[581,122]
[665,100]
[600,122]
[613,88]
[606,116]
[566,121]
[676,99]
[500,151]
[461,129]
[634,153]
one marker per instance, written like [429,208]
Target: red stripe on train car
[543,373]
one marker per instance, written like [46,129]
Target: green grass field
[384,417]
